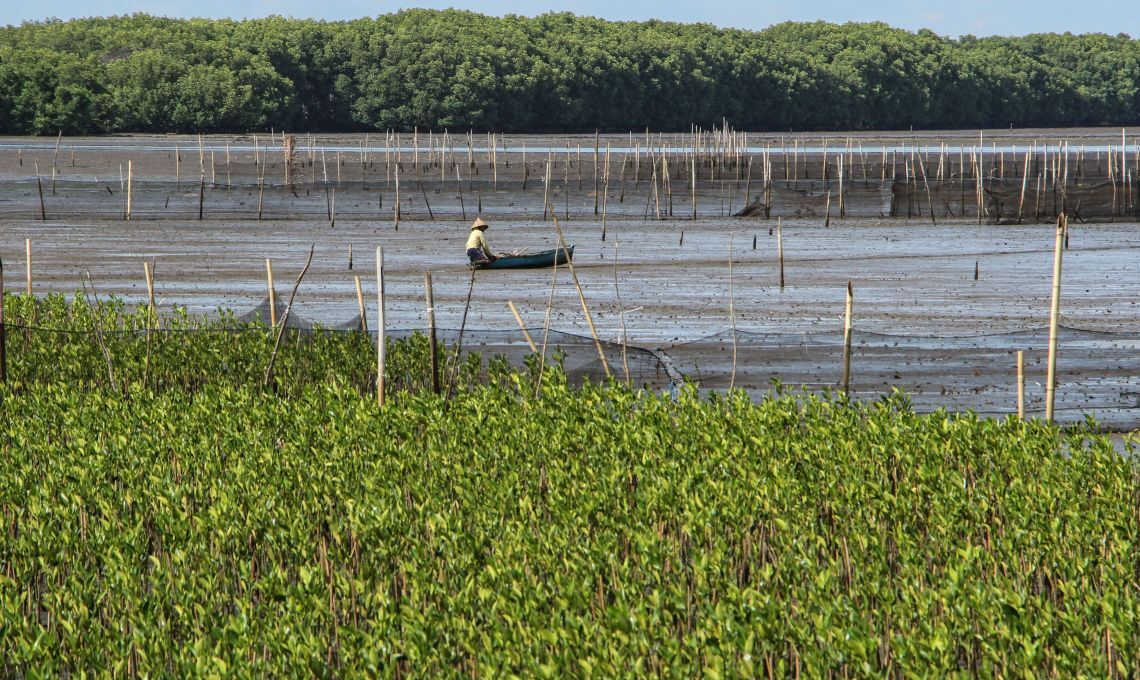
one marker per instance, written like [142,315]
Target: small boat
[545,258]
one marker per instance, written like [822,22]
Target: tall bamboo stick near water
[847,339]
[1054,317]
[581,296]
[201,197]
[40,186]
[731,314]
[1024,183]
[595,171]
[380,326]
[152,309]
[130,182]
[396,204]
[268,380]
[780,247]
[522,326]
[28,262]
[1021,384]
[693,178]
[272,293]
[430,295]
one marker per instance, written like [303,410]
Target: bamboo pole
[40,187]
[1054,317]
[847,339]
[151,307]
[130,182]
[731,315]
[459,183]
[545,189]
[28,262]
[360,305]
[396,204]
[522,326]
[285,318]
[272,293]
[380,326]
[581,296]
[1021,384]
[201,197]
[433,350]
[779,247]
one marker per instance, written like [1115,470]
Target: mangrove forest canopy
[554,72]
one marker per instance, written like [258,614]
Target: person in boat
[478,251]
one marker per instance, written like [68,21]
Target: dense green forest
[554,72]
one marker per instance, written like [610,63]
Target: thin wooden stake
[779,247]
[847,339]
[28,262]
[434,350]
[1021,384]
[285,318]
[360,305]
[40,186]
[272,293]
[1054,317]
[380,324]
[151,307]
[522,326]
[581,296]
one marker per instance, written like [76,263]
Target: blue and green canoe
[545,258]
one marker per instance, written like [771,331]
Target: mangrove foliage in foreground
[152,526]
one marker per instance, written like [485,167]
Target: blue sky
[952,18]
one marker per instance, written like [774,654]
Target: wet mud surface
[923,322]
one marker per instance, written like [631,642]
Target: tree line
[552,73]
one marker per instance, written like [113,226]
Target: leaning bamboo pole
[522,326]
[581,296]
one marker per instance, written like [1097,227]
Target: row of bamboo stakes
[848,317]
[1049,166]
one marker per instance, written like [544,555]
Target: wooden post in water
[847,339]
[272,293]
[380,325]
[28,262]
[360,305]
[201,196]
[40,186]
[430,295]
[595,171]
[1054,317]
[396,204]
[1021,384]
[130,182]
[581,296]
[779,247]
[151,308]
[693,188]
[522,326]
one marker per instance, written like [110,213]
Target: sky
[950,18]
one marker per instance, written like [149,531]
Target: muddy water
[918,307]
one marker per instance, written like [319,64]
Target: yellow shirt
[477,240]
